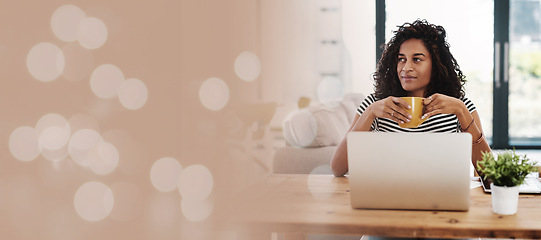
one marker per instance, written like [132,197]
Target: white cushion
[324,124]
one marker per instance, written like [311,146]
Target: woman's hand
[391,108]
[442,104]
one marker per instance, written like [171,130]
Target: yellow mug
[416,111]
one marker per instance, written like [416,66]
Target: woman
[416,63]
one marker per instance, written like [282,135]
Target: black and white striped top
[441,123]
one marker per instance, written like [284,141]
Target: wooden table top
[320,204]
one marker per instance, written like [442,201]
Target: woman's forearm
[471,123]
[339,161]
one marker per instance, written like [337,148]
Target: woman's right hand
[392,108]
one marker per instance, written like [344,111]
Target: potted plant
[507,173]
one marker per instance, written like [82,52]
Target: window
[524,72]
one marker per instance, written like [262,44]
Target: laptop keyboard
[531,184]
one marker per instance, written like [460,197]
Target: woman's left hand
[442,104]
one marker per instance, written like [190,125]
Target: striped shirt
[441,123]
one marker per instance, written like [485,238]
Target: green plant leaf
[508,169]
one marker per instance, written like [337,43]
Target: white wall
[359,22]
[289,48]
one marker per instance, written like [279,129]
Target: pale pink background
[170,45]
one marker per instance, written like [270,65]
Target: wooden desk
[320,204]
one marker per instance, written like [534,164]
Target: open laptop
[418,171]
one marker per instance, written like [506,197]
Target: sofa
[312,134]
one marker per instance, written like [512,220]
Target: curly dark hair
[446,77]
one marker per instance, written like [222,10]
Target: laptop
[415,171]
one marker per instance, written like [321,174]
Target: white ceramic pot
[504,199]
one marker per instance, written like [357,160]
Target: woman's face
[414,67]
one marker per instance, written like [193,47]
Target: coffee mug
[416,111]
